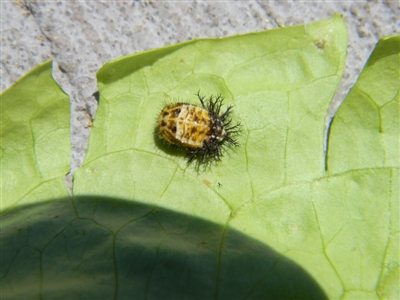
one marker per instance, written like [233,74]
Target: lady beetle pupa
[201,130]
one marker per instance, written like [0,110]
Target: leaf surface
[35,139]
[281,83]
[35,155]
[266,221]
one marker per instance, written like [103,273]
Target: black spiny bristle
[212,148]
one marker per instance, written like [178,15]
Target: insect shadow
[182,153]
[170,149]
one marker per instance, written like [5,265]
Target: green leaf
[365,131]
[35,155]
[105,248]
[35,147]
[364,154]
[268,221]
[281,83]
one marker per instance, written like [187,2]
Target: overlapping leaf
[34,139]
[35,155]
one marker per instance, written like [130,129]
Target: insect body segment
[185,125]
[201,130]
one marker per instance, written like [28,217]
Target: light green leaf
[281,83]
[364,149]
[365,131]
[35,155]
[35,147]
[144,224]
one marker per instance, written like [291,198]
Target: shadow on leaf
[103,248]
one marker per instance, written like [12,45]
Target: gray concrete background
[80,36]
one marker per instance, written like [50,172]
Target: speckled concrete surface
[82,36]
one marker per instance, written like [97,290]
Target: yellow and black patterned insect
[201,130]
